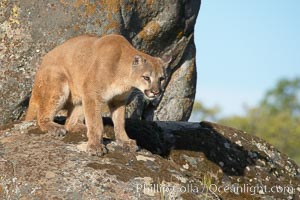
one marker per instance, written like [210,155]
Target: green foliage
[283,98]
[276,119]
[204,112]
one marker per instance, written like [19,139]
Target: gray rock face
[31,28]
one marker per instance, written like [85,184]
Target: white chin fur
[150,98]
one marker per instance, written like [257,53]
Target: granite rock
[177,160]
[31,28]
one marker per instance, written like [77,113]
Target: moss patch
[7,126]
[35,131]
[74,138]
[126,168]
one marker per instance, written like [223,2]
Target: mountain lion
[86,72]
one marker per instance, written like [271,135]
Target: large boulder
[178,160]
[31,28]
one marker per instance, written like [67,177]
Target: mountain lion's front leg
[118,117]
[93,120]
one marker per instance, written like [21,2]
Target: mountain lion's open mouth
[150,95]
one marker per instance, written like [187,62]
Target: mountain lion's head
[150,75]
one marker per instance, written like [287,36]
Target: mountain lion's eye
[147,78]
[162,79]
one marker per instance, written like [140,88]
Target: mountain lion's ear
[166,59]
[137,60]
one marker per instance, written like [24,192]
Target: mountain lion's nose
[155,92]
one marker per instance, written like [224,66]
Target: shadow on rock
[213,141]
[220,144]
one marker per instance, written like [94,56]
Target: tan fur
[87,72]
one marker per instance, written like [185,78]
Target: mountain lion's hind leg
[75,119]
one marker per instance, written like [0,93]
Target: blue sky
[243,49]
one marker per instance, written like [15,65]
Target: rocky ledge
[177,160]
